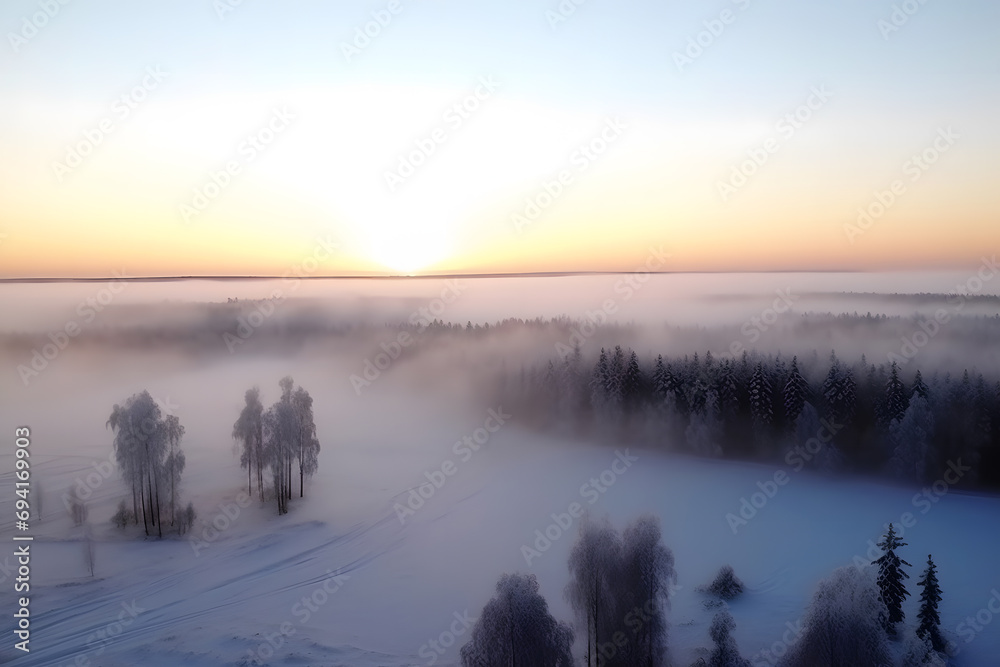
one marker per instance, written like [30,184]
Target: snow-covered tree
[147,452]
[795,392]
[761,399]
[726,584]
[808,426]
[892,589]
[726,652]
[647,574]
[919,387]
[621,584]
[704,430]
[593,563]
[174,464]
[895,402]
[280,428]
[633,383]
[307,450]
[248,430]
[843,625]
[930,597]
[911,439]
[516,628]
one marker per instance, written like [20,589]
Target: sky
[228,137]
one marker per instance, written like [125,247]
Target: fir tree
[892,590]
[761,407]
[895,397]
[919,388]
[930,622]
[794,393]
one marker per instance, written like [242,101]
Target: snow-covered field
[341,580]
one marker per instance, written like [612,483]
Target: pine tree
[919,388]
[930,596]
[895,402]
[794,393]
[632,382]
[598,382]
[761,407]
[911,439]
[892,590]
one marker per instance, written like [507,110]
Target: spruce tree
[760,399]
[892,590]
[930,596]
[794,393]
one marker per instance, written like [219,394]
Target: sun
[406,234]
[408,251]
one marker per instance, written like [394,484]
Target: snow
[392,588]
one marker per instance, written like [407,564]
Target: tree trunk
[159,519]
[142,498]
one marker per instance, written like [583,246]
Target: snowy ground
[382,590]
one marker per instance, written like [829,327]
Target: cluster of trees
[619,589]
[278,440]
[855,615]
[147,451]
[878,417]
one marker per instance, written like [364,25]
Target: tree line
[760,406]
[620,588]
